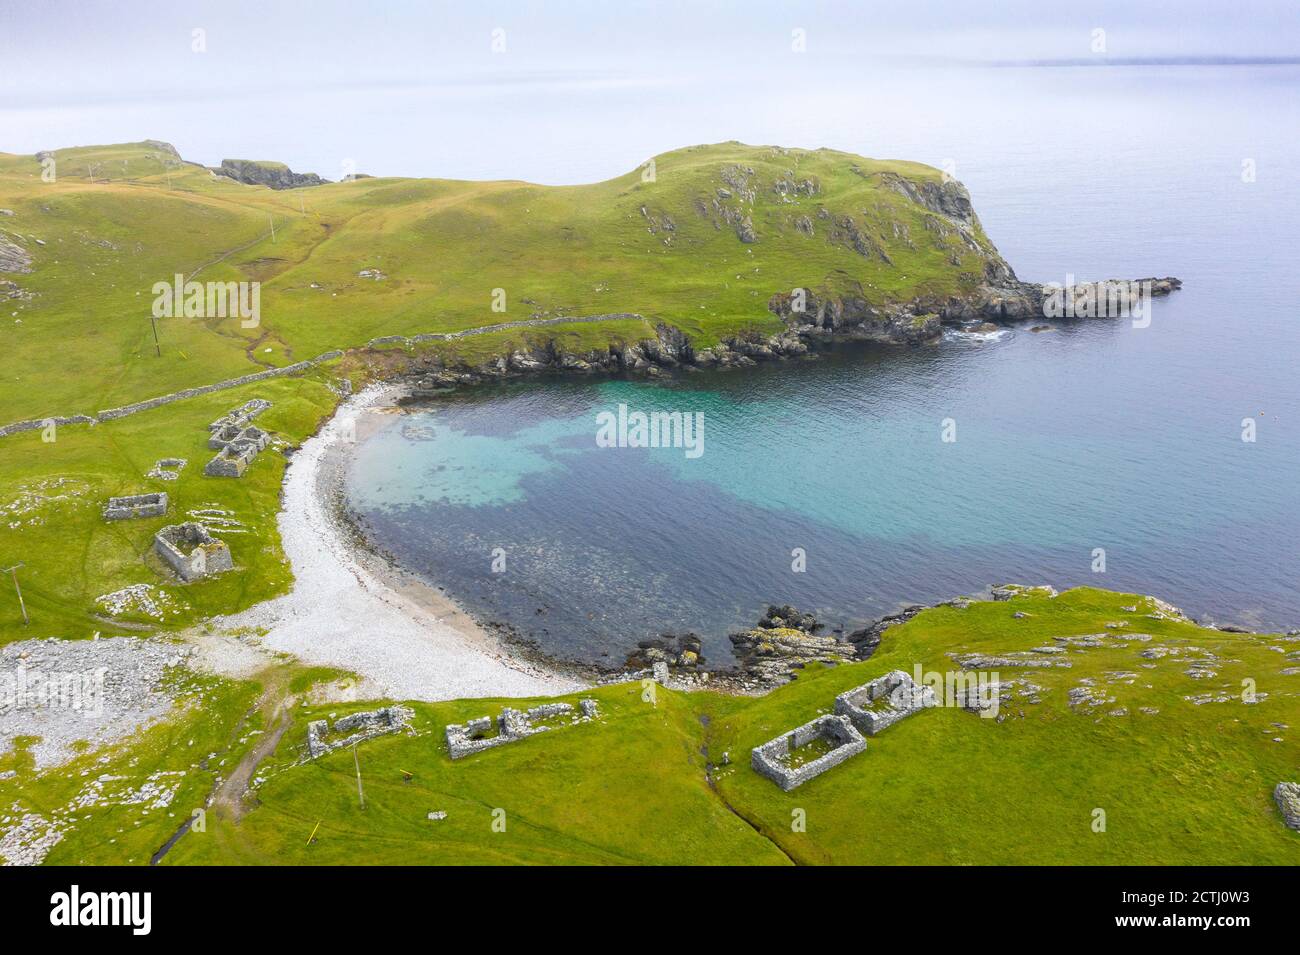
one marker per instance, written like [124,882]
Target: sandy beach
[348,610]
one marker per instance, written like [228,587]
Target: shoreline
[355,608]
[350,610]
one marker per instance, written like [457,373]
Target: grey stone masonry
[136,505]
[976,697]
[239,418]
[884,701]
[191,551]
[323,738]
[774,758]
[168,469]
[477,735]
[1288,801]
[235,440]
[36,423]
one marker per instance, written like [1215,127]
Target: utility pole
[361,795]
[26,622]
[156,347]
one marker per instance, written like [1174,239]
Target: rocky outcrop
[866,640]
[13,257]
[273,174]
[811,314]
[163,149]
[681,652]
[1017,301]
[1287,796]
[783,642]
[788,185]
[947,198]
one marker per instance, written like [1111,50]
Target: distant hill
[700,238]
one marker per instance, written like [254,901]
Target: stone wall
[36,424]
[136,505]
[236,441]
[772,759]
[884,701]
[191,551]
[474,736]
[356,728]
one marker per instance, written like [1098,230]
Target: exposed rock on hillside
[1288,801]
[273,174]
[948,198]
[788,185]
[165,149]
[13,257]
[809,313]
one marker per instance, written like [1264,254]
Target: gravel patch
[65,691]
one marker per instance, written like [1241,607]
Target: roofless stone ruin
[795,757]
[477,735]
[236,441]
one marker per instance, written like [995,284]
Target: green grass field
[647,783]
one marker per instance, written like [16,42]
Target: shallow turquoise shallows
[1092,436]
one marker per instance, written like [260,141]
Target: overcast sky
[572,90]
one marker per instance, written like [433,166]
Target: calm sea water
[1093,435]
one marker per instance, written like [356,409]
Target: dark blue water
[1093,435]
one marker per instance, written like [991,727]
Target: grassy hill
[118,219]
[1181,779]
[702,243]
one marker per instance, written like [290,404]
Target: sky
[558,92]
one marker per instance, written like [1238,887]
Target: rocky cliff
[261,173]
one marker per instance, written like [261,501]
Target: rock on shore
[810,317]
[784,641]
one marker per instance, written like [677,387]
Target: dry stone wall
[772,759]
[136,505]
[884,701]
[191,551]
[36,424]
[475,736]
[323,738]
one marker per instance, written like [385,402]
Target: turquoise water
[1092,435]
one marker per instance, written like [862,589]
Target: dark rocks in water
[810,316]
[787,617]
[681,652]
[1015,301]
[866,640]
[274,174]
[783,642]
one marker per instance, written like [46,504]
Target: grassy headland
[700,239]
[1182,766]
